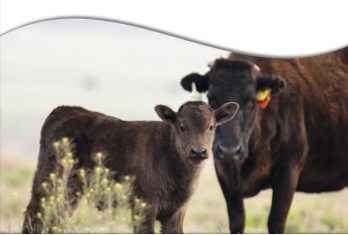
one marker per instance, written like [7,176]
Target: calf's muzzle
[198,153]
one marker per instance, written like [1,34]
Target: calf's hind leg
[32,222]
[34,213]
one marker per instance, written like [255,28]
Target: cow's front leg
[235,204]
[236,214]
[174,224]
[284,186]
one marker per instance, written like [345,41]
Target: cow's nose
[231,152]
[198,153]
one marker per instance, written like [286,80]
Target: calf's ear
[165,113]
[274,82]
[202,82]
[226,112]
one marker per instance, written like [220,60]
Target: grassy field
[206,213]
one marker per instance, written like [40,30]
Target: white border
[267,28]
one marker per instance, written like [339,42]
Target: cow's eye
[211,128]
[182,129]
[251,103]
[212,103]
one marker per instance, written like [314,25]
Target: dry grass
[206,213]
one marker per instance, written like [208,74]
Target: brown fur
[158,154]
[298,143]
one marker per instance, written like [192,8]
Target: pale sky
[119,70]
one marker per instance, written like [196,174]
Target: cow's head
[234,81]
[194,126]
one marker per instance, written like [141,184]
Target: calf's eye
[182,129]
[211,128]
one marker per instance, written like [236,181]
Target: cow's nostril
[231,150]
[239,151]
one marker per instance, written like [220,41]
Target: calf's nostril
[198,152]
[204,152]
[193,152]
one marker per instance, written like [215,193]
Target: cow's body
[310,116]
[165,170]
[297,143]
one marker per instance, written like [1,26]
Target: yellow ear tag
[262,94]
[266,99]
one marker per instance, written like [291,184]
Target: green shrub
[64,211]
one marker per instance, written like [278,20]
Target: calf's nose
[198,153]
[230,151]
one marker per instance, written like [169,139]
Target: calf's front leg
[174,224]
[284,186]
[147,224]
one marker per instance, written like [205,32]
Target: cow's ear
[202,82]
[226,112]
[276,83]
[165,113]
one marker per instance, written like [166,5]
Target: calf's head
[194,126]
[234,81]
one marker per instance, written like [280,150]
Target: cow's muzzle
[230,153]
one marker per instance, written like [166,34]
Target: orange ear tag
[264,102]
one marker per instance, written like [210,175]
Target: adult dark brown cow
[297,143]
[165,157]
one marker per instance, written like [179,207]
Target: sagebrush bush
[103,205]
